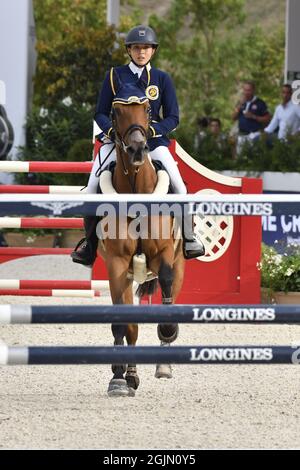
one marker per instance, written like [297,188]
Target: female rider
[141,44]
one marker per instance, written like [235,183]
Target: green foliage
[75,48]
[263,62]
[283,156]
[281,272]
[208,55]
[82,150]
[204,47]
[55,18]
[58,134]
[75,66]
[215,153]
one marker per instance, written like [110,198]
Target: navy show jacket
[162,98]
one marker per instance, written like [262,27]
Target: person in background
[252,115]
[286,119]
[215,127]
[202,124]
[215,131]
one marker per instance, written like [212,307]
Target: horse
[135,173]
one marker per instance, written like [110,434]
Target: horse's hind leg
[167,333]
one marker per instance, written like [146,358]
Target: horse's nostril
[130,150]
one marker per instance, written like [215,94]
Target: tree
[203,47]
[74,67]
[75,47]
[55,18]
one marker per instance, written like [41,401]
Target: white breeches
[161,153]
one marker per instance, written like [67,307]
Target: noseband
[122,140]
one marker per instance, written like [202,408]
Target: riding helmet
[141,35]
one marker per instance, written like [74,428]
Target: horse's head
[131,117]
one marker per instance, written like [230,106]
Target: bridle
[120,140]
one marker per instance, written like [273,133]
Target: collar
[286,105]
[139,70]
[252,100]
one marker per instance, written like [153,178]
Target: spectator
[252,115]
[215,127]
[286,117]
[201,132]
[215,131]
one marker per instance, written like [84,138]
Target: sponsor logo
[234,314]
[152,92]
[57,208]
[230,354]
[232,208]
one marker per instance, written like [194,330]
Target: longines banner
[281,228]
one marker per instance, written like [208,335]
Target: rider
[141,44]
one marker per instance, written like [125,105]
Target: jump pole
[52,284]
[208,314]
[50,292]
[149,355]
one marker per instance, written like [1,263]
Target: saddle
[140,272]
[106,177]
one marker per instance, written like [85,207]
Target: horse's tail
[147,288]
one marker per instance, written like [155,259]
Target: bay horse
[135,173]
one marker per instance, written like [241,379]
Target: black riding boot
[86,250]
[192,248]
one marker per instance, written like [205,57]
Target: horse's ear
[116,80]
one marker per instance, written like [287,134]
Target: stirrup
[80,256]
[193,253]
[79,244]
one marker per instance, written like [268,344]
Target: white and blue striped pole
[241,314]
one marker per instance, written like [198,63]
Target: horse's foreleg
[131,376]
[178,270]
[167,333]
[118,283]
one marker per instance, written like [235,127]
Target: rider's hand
[112,135]
[151,132]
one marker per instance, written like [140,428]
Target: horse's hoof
[118,388]
[131,392]
[132,380]
[163,371]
